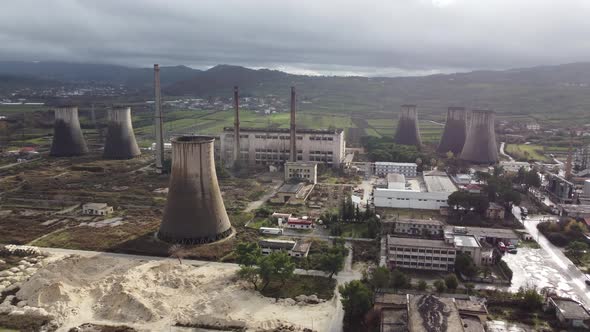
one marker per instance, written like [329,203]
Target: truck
[270,230]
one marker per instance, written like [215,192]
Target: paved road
[346,275]
[502,152]
[17,164]
[547,267]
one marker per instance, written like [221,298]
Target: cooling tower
[68,140]
[480,145]
[407,132]
[194,212]
[453,137]
[120,142]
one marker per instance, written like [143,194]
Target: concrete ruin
[68,140]
[407,132]
[120,142]
[480,145]
[453,138]
[195,212]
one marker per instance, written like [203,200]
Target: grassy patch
[526,152]
[261,222]
[301,285]
[357,230]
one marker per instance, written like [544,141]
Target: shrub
[422,285]
[504,267]
[440,286]
[451,282]
[558,239]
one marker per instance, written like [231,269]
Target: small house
[97,209]
[570,313]
[495,212]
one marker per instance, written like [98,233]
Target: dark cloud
[389,37]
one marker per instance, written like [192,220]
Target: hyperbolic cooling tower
[453,137]
[194,212]
[480,145]
[67,135]
[407,132]
[120,142]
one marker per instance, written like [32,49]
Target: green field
[525,152]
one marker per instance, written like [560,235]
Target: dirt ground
[152,296]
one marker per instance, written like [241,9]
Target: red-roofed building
[300,223]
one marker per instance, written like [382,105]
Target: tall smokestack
[293,127]
[453,137]
[120,142]
[236,127]
[407,132]
[480,144]
[68,140]
[194,211]
[158,120]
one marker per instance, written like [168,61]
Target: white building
[419,227]
[301,171]
[514,166]
[293,248]
[382,168]
[396,181]
[420,254]
[300,223]
[97,209]
[271,146]
[431,192]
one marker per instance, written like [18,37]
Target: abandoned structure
[453,138]
[301,171]
[194,211]
[407,132]
[68,140]
[120,142]
[97,209]
[480,145]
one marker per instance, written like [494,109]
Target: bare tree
[177,251]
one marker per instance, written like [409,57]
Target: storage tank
[480,144]
[120,142]
[407,132]
[194,212]
[68,140]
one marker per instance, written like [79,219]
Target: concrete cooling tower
[194,212]
[407,132]
[68,140]
[480,145]
[453,137]
[120,142]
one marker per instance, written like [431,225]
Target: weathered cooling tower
[480,145]
[68,140]
[453,137]
[120,142]
[194,212]
[407,132]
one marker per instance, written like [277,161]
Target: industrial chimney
[236,127]
[120,142]
[480,144]
[293,147]
[68,140]
[407,132]
[194,211]
[453,137]
[158,119]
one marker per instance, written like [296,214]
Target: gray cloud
[389,37]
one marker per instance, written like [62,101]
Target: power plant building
[195,212]
[272,146]
[68,140]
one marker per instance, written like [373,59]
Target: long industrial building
[431,192]
[272,146]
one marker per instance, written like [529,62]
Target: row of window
[420,226]
[321,152]
[277,150]
[443,266]
[320,138]
[305,170]
[423,258]
[428,251]
[420,200]
[299,138]
[265,162]
[326,159]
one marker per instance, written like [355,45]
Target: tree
[380,277]
[532,179]
[464,264]
[576,249]
[440,286]
[265,270]
[373,227]
[531,299]
[247,253]
[399,280]
[356,299]
[451,282]
[422,285]
[283,265]
[250,274]
[469,287]
[332,262]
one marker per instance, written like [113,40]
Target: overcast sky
[334,37]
